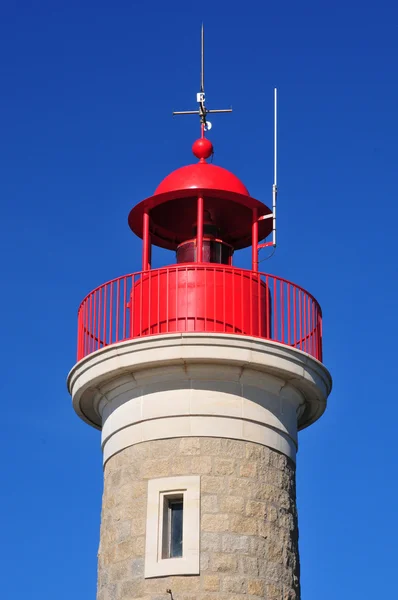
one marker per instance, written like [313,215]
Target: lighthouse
[199,376]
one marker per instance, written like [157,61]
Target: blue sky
[87,91]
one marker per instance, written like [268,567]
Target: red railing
[201,298]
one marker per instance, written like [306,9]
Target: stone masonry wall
[248,522]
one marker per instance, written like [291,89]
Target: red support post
[146,242]
[199,231]
[255,240]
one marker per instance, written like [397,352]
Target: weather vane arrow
[200,96]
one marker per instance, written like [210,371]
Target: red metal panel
[192,299]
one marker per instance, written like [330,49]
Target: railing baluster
[215,315]
[117,310]
[149,301]
[195,318]
[289,325]
[157,328]
[95,320]
[79,334]
[125,308]
[275,332]
[315,330]
[233,304]
[86,327]
[309,325]
[205,290]
[130,324]
[167,300]
[281,293]
[142,283]
[186,301]
[223,301]
[267,308]
[251,282]
[307,337]
[259,324]
[301,320]
[242,312]
[177,292]
[100,292]
[312,327]
[305,324]
[83,329]
[105,297]
[294,317]
[320,349]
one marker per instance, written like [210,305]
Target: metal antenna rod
[275,134]
[272,215]
[274,187]
[202,55]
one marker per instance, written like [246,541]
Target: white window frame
[158,490]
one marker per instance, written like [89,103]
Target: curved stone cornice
[295,367]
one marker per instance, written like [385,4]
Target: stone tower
[199,375]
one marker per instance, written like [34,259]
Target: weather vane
[200,96]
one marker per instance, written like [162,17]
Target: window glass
[176,514]
[213,252]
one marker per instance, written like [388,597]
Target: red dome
[201,176]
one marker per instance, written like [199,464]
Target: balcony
[200,298]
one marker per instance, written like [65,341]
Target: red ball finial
[202,148]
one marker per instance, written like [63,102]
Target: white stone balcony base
[193,384]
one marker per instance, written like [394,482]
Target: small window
[172,527]
[173,507]
[213,252]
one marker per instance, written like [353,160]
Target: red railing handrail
[203,266]
[279,310]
